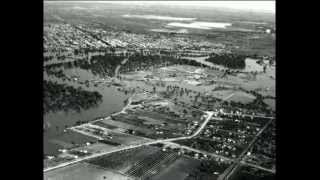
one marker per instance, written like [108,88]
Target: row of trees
[232,61]
[142,62]
[105,65]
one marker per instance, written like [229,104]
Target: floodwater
[251,64]
[200,25]
[202,60]
[55,122]
[155,17]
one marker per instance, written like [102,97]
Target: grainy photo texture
[159,90]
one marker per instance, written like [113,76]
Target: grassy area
[83,171]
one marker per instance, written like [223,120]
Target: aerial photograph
[159,90]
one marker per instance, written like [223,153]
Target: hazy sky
[260,6]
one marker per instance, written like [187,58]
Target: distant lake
[155,17]
[200,25]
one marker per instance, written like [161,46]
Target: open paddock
[124,160]
[118,124]
[97,147]
[178,170]
[83,171]
[66,140]
[126,139]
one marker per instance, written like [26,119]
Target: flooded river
[55,122]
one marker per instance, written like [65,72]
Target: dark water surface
[56,122]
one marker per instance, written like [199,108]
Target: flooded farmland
[152,92]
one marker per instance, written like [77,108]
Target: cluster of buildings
[66,39]
[232,134]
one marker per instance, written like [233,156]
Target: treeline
[141,62]
[257,105]
[58,97]
[232,61]
[105,65]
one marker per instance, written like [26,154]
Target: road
[249,115]
[230,171]
[209,115]
[228,97]
[200,151]
[258,167]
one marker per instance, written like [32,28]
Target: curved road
[209,115]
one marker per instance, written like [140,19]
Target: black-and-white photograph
[159,90]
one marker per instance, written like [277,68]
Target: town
[157,105]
